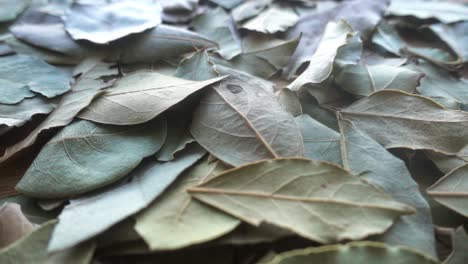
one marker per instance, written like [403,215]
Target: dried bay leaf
[362,80]
[176,220]
[178,135]
[83,91]
[272,20]
[94,213]
[14,224]
[455,36]
[364,157]
[397,119]
[316,200]
[249,9]
[353,253]
[18,71]
[239,121]
[263,63]
[197,67]
[108,21]
[33,249]
[362,15]
[452,190]
[321,63]
[216,24]
[85,156]
[442,86]
[18,114]
[139,97]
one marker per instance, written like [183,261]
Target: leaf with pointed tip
[363,156]
[443,11]
[104,22]
[85,156]
[216,24]
[353,253]
[362,15]
[240,121]
[92,214]
[33,249]
[362,80]
[14,224]
[316,200]
[176,220]
[272,20]
[83,91]
[321,63]
[459,253]
[139,97]
[452,190]
[18,71]
[397,119]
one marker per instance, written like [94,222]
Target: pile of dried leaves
[231,131]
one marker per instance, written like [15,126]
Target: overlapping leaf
[239,121]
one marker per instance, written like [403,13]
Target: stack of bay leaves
[233,131]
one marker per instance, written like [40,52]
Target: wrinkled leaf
[321,63]
[140,97]
[85,156]
[176,220]
[316,200]
[83,91]
[92,214]
[452,190]
[455,36]
[362,15]
[19,71]
[18,114]
[178,135]
[108,21]
[239,121]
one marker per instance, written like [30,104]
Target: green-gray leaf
[83,91]
[33,249]
[92,214]
[353,253]
[103,22]
[444,11]
[85,156]
[18,114]
[452,190]
[176,220]
[140,97]
[38,76]
[215,24]
[321,63]
[397,119]
[363,156]
[459,253]
[240,121]
[316,200]
[272,20]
